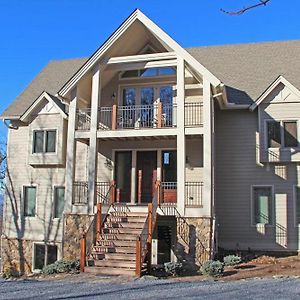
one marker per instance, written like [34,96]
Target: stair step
[129,214]
[115,263]
[110,271]
[118,237]
[121,231]
[120,256]
[193,86]
[106,249]
[123,219]
[135,225]
[116,243]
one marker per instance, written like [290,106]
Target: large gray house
[146,152]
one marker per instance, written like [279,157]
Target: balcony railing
[193,194]
[193,114]
[80,192]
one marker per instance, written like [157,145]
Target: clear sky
[35,31]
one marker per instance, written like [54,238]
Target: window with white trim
[44,141]
[282,134]
[262,204]
[297,205]
[44,255]
[29,195]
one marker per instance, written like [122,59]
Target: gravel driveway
[284,288]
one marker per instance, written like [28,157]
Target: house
[146,152]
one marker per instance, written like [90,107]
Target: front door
[146,175]
[123,176]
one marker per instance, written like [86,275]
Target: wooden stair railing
[144,240]
[98,220]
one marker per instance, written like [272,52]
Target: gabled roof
[50,79]
[137,15]
[271,87]
[50,98]
[248,69]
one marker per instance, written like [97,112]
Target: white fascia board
[272,86]
[138,15]
[43,96]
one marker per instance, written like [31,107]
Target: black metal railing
[193,114]
[193,193]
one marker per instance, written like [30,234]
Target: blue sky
[35,31]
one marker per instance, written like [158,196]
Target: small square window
[44,141]
[44,255]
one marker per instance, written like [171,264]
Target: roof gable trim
[43,96]
[272,86]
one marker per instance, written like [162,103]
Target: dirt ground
[261,267]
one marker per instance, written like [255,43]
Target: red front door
[146,175]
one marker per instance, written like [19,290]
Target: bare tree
[243,10]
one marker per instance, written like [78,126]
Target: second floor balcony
[140,117]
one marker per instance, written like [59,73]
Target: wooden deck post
[113,192]
[138,258]
[98,220]
[159,115]
[82,252]
[140,175]
[118,195]
[114,117]
[158,193]
[150,231]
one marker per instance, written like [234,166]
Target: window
[149,72]
[44,141]
[262,204]
[290,134]
[29,201]
[44,255]
[59,201]
[297,204]
[274,135]
[282,134]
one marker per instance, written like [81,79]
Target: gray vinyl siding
[236,171]
[20,173]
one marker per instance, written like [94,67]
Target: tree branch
[241,11]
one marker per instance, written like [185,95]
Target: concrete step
[114,263]
[110,271]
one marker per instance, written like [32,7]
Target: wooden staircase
[114,252]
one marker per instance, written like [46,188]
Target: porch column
[71,153]
[159,165]
[133,177]
[207,196]
[180,136]
[93,149]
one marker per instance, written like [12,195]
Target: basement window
[44,255]
[44,141]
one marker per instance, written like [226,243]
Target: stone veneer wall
[17,255]
[193,248]
[75,226]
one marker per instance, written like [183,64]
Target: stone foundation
[17,256]
[75,226]
[193,241]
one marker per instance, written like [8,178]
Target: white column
[133,177]
[207,196]
[71,153]
[93,149]
[180,136]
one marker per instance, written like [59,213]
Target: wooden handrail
[138,261]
